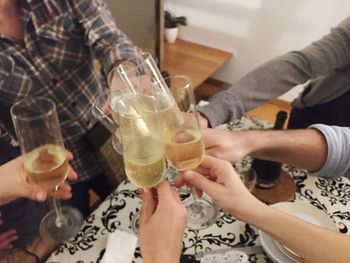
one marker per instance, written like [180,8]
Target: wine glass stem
[60,219]
[196,207]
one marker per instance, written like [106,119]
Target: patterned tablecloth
[118,210]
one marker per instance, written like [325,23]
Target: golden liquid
[171,119]
[145,164]
[46,166]
[186,150]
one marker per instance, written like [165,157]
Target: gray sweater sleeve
[338,156]
[281,74]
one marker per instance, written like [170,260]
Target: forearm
[279,75]
[312,243]
[306,148]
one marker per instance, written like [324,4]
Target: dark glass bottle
[268,171]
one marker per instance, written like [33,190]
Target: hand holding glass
[45,160]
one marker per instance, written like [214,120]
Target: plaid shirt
[55,60]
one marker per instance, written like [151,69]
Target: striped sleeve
[338,156]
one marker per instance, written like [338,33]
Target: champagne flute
[102,111]
[45,161]
[143,150]
[185,149]
[142,76]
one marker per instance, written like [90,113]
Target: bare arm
[311,242]
[300,236]
[306,148]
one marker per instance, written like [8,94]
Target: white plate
[303,211]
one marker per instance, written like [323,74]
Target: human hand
[15,184]
[227,145]
[222,183]
[203,121]
[162,224]
[6,238]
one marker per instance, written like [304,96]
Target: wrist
[248,142]
[258,142]
[161,257]
[252,212]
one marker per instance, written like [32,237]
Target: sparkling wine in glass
[185,149]
[142,147]
[142,76]
[45,161]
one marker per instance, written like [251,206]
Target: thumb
[201,182]
[148,206]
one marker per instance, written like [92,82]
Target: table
[118,210]
[198,61]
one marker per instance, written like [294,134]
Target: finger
[69,155]
[6,242]
[64,192]
[72,175]
[175,195]
[6,247]
[180,181]
[40,196]
[216,166]
[148,206]
[165,194]
[202,183]
[5,235]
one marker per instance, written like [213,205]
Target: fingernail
[41,196]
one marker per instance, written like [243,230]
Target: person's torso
[53,61]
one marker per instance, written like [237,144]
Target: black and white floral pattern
[119,209]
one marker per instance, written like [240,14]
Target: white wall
[256,30]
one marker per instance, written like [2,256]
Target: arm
[320,148]
[162,224]
[228,192]
[279,75]
[305,148]
[109,44]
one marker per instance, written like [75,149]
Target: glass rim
[52,109]
[181,76]
[143,114]
[144,56]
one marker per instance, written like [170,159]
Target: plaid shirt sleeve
[108,44]
[15,78]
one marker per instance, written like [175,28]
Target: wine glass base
[202,214]
[135,223]
[71,226]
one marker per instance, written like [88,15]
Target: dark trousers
[80,193]
[335,112]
